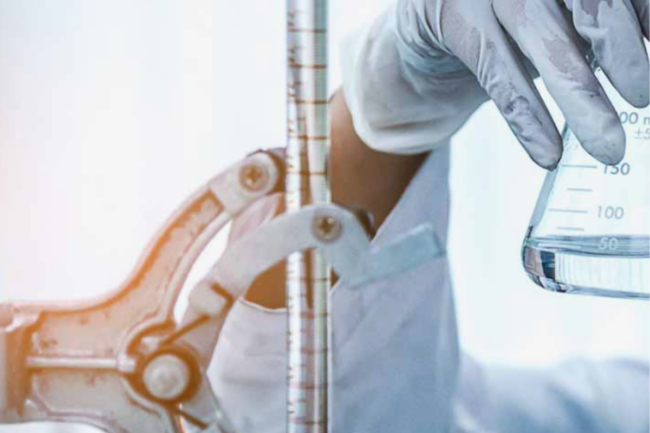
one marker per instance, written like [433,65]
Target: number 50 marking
[608,244]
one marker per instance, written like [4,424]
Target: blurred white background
[111,113]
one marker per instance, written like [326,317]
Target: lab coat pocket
[380,308]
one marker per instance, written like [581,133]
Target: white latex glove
[426,65]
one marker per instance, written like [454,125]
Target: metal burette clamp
[121,362]
[116,362]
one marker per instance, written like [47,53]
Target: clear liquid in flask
[590,233]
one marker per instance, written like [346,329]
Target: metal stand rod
[308,276]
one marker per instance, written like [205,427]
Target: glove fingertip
[549,164]
[546,155]
[543,145]
[608,147]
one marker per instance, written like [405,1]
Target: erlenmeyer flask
[590,230]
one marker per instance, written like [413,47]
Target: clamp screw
[326,228]
[167,377]
[253,177]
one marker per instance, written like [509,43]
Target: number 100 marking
[611,212]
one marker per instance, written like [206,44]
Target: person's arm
[361,176]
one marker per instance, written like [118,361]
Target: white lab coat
[396,362]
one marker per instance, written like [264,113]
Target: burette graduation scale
[123,363]
[308,275]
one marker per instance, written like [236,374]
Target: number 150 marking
[622,169]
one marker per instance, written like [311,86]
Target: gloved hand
[426,65]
